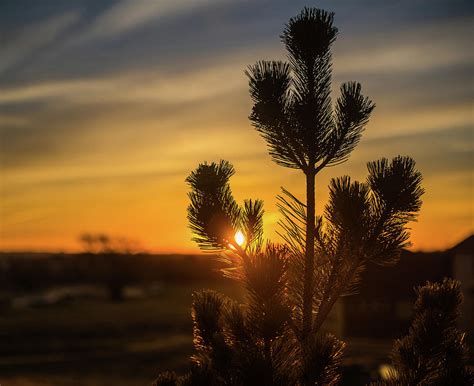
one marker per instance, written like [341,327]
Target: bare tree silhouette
[111,262]
[276,337]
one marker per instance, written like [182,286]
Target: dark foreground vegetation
[278,335]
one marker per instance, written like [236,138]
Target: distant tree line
[33,272]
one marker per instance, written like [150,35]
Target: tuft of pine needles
[434,351]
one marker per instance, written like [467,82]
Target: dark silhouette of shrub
[276,337]
[434,351]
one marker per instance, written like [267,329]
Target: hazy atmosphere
[106,106]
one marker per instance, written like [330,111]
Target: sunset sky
[106,106]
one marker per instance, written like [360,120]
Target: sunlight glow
[387,372]
[239,238]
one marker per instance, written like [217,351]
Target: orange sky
[87,148]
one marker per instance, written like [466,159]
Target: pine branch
[334,294]
[395,200]
[270,84]
[265,282]
[293,224]
[434,351]
[365,225]
[308,38]
[352,113]
[321,359]
[252,224]
[213,213]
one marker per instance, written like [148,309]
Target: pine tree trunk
[309,261]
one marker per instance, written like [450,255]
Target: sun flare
[239,238]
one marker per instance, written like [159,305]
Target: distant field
[95,342]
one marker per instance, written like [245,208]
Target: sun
[239,238]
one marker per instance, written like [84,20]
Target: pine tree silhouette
[433,352]
[275,338]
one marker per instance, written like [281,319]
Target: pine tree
[276,337]
[433,352]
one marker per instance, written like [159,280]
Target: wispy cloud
[35,37]
[418,48]
[128,15]
[150,86]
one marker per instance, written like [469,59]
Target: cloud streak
[35,37]
[181,88]
[415,49]
[128,15]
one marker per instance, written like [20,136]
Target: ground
[90,341]
[95,342]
